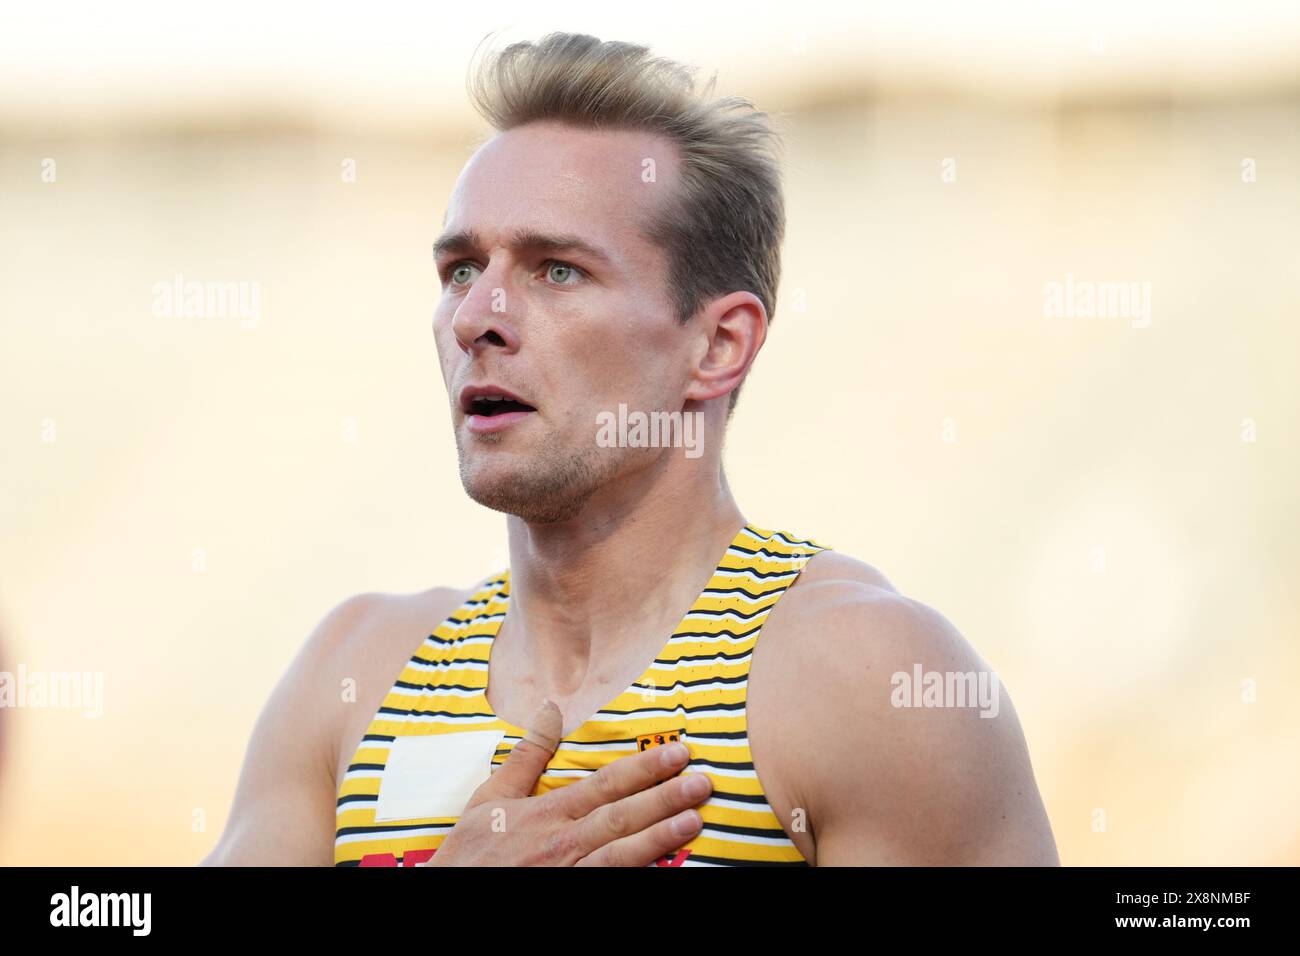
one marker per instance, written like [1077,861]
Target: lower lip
[486,424]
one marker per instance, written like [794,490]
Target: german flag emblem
[645,741]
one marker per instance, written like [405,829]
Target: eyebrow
[465,241]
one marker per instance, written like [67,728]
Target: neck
[615,579]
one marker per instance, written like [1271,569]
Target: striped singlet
[694,690]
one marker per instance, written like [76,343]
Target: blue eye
[456,268]
[564,268]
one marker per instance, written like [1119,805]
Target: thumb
[518,774]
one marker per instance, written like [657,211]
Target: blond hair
[722,230]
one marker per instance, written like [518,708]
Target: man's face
[568,331]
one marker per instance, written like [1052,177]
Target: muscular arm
[283,811]
[913,786]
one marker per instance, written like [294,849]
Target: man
[611,256]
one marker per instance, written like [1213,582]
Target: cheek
[443,335]
[607,374]
[639,366]
[447,348]
[442,316]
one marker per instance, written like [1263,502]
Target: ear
[732,329]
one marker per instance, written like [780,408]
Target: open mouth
[490,406]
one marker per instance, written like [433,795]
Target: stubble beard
[552,487]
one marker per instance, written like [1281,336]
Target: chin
[531,506]
[539,489]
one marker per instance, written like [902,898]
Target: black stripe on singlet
[686,637]
[771,554]
[700,683]
[675,709]
[396,712]
[352,831]
[794,544]
[755,798]
[719,592]
[793,572]
[769,832]
[761,612]
[465,622]
[440,642]
[446,664]
[720,656]
[357,798]
[735,861]
[722,764]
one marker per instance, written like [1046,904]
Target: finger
[642,849]
[640,812]
[517,776]
[620,778]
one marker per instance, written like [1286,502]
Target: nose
[483,321]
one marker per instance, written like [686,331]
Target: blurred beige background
[1106,510]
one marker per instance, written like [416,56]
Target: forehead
[598,184]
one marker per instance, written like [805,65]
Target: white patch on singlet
[434,775]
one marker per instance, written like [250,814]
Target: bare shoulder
[362,646]
[909,751]
[284,804]
[365,637]
[348,634]
[841,605]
